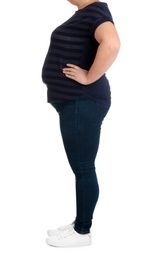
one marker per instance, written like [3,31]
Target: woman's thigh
[80,124]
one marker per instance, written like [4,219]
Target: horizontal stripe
[66,48]
[62,89]
[69,43]
[70,38]
[63,93]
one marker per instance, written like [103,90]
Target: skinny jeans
[80,125]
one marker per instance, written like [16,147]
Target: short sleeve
[104,16]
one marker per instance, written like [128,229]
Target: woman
[81,50]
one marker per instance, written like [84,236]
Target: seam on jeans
[77,134]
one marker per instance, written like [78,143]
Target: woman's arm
[109,45]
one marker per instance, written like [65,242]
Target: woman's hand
[76,73]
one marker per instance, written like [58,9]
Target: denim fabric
[80,124]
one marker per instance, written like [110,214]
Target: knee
[85,169]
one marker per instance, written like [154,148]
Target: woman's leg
[80,124]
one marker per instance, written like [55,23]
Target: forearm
[105,56]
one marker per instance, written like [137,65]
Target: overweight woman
[81,51]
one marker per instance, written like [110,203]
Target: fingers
[76,73]
[70,71]
[72,66]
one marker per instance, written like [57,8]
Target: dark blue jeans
[80,124]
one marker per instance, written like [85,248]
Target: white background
[36,183]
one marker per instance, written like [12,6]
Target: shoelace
[63,228]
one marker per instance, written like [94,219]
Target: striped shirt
[73,42]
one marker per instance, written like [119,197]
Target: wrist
[88,80]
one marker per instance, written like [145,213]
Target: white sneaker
[69,238]
[55,232]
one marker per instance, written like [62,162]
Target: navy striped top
[73,42]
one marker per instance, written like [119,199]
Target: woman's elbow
[117,44]
[114,45]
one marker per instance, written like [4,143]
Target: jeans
[80,124]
